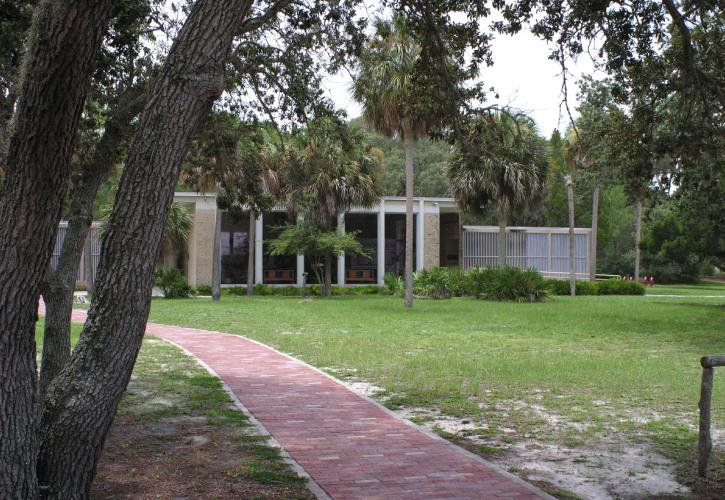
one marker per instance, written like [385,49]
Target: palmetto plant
[386,86]
[499,159]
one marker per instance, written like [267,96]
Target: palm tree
[385,85]
[330,170]
[499,158]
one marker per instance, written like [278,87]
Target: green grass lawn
[626,365]
[701,288]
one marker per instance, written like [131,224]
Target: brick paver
[350,446]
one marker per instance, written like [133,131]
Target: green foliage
[261,289]
[620,287]
[172,283]
[203,289]
[456,281]
[512,283]
[434,283]
[499,160]
[668,250]
[606,287]
[394,284]
[475,280]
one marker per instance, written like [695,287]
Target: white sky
[522,75]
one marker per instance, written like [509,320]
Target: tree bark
[637,236]
[595,229]
[409,235]
[62,45]
[572,261]
[81,402]
[216,265]
[502,219]
[252,249]
[58,285]
[327,285]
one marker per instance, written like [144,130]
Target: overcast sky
[522,74]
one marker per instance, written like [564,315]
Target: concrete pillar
[381,242]
[300,268]
[259,250]
[201,242]
[432,240]
[341,257]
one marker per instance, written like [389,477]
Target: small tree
[501,159]
[317,243]
[329,169]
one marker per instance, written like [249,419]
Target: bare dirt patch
[177,435]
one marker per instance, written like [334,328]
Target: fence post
[704,442]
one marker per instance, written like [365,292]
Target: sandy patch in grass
[606,465]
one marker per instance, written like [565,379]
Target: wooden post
[704,442]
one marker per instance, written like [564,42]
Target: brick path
[349,445]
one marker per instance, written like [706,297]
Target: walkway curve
[351,446]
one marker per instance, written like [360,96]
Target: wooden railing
[704,442]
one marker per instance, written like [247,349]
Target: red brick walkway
[349,445]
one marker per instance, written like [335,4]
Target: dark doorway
[361,269]
[395,243]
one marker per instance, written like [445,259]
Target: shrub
[561,287]
[394,284]
[512,283]
[287,291]
[172,283]
[475,279]
[261,289]
[356,290]
[203,290]
[236,290]
[456,281]
[620,287]
[433,283]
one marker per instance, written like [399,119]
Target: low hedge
[606,287]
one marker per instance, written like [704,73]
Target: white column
[341,257]
[381,242]
[419,237]
[300,268]
[258,249]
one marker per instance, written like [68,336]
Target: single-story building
[440,240]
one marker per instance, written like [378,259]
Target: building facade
[440,240]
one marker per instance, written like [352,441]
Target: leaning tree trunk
[252,248]
[216,265]
[58,286]
[595,229]
[82,401]
[409,152]
[502,219]
[572,261]
[637,236]
[62,45]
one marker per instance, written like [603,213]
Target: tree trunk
[572,261]
[252,248]
[82,400]
[62,45]
[58,287]
[595,229]
[327,288]
[88,266]
[637,236]
[409,235]
[502,219]
[216,265]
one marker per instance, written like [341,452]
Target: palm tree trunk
[327,288]
[250,260]
[409,152]
[637,236]
[595,229]
[572,262]
[502,219]
[216,266]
